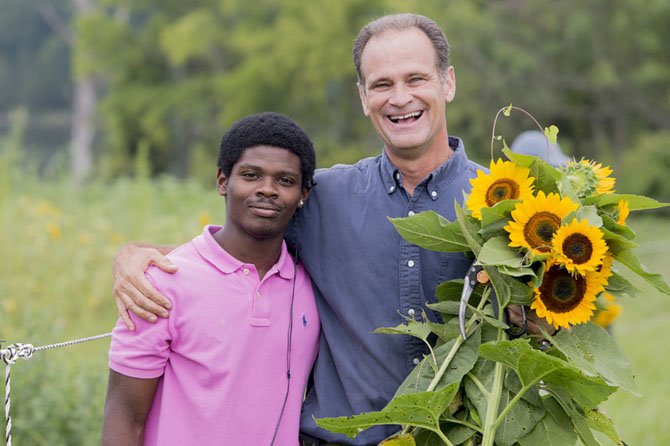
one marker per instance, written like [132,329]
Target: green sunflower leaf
[399,440]
[520,419]
[546,177]
[446,331]
[617,243]
[534,366]
[588,213]
[449,307]
[576,415]
[618,286]
[602,423]
[417,409]
[431,231]
[416,329]
[630,260]
[551,133]
[523,271]
[420,377]
[593,350]
[500,285]
[635,202]
[499,212]
[616,228]
[507,110]
[469,228]
[555,429]
[496,252]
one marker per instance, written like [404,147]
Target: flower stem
[443,438]
[490,424]
[479,385]
[469,328]
[510,405]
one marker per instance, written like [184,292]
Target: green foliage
[422,409]
[11,161]
[646,165]
[34,61]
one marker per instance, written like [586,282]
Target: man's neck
[263,254]
[415,170]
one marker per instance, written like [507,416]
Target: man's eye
[286,181]
[380,86]
[249,175]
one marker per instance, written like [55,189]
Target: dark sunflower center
[578,247]
[502,189]
[540,229]
[560,291]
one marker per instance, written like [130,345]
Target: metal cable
[11,354]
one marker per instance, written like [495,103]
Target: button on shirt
[366,276]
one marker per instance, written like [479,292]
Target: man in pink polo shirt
[230,365]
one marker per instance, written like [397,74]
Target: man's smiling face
[403,94]
[263,192]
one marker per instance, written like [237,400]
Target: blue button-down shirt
[366,276]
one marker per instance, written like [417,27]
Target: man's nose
[267,188]
[400,96]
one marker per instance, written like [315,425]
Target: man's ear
[364,99]
[304,193]
[450,85]
[221,182]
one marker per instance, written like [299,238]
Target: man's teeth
[415,114]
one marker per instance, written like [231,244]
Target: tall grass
[57,245]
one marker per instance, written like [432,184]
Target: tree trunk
[83,112]
[83,128]
[84,101]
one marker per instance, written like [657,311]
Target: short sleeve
[142,353]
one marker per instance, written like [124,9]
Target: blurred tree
[597,69]
[34,62]
[177,74]
[84,101]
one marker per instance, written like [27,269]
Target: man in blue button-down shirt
[365,275]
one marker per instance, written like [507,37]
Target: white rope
[11,354]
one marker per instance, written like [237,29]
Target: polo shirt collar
[213,253]
[392,178]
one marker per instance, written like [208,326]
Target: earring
[301,203]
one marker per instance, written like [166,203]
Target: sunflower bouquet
[550,240]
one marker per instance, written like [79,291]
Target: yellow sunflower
[507,181]
[622,212]
[564,299]
[588,178]
[536,219]
[609,312]
[579,247]
[605,269]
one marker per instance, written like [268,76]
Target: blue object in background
[533,142]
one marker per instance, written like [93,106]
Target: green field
[55,285]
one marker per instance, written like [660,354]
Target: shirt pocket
[443,267]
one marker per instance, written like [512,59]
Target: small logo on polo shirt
[304,320]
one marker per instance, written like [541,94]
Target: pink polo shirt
[221,354]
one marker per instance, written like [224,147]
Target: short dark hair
[400,22]
[268,129]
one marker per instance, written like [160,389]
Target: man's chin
[265,233]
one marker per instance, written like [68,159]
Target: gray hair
[401,22]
